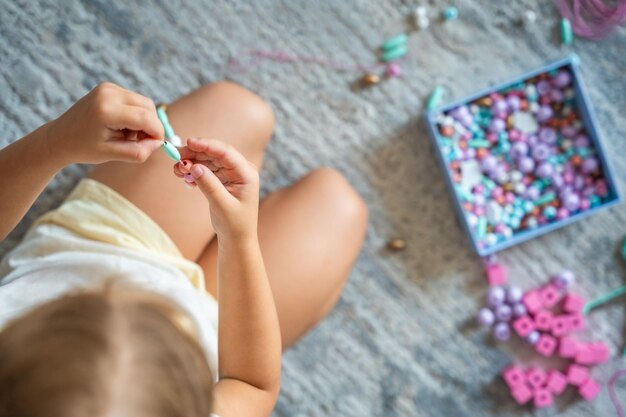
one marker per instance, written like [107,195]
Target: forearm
[249,333]
[26,167]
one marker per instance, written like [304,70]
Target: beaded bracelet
[169,147]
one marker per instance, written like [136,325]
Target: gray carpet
[401,342]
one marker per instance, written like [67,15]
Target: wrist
[47,148]
[245,241]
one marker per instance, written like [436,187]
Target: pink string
[592,19]
[248,60]
[614,399]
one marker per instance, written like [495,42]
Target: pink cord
[592,19]
[247,60]
[614,399]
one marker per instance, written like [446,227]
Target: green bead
[395,53]
[435,98]
[394,42]
[567,36]
[545,199]
[171,151]
[477,143]
[169,132]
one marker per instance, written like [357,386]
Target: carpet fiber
[402,341]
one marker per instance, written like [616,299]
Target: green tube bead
[435,98]
[392,43]
[395,53]
[567,36]
[171,151]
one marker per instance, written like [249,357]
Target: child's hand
[229,181]
[109,123]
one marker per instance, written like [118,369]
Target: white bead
[474,108]
[533,107]
[420,11]
[494,212]
[422,22]
[519,188]
[516,176]
[529,17]
[448,121]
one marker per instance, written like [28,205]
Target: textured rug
[402,341]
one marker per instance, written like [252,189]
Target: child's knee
[252,109]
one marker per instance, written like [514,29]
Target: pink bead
[543,320]
[393,70]
[496,274]
[532,301]
[189,179]
[523,326]
[592,354]
[542,398]
[562,213]
[522,394]
[577,375]
[568,347]
[589,389]
[576,322]
[546,345]
[556,382]
[536,377]
[514,376]
[574,303]
[560,326]
[550,295]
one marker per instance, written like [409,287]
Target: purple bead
[581,141]
[532,140]
[504,312]
[526,164]
[590,165]
[514,294]
[562,79]
[556,96]
[489,163]
[495,296]
[541,151]
[532,193]
[569,131]
[543,87]
[557,180]
[499,107]
[518,149]
[547,135]
[501,332]
[485,317]
[544,170]
[533,337]
[519,310]
[497,125]
[467,120]
[564,279]
[544,113]
[571,201]
[514,102]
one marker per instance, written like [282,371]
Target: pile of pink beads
[521,157]
[545,317]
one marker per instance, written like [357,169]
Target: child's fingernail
[197,171]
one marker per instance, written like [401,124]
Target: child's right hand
[229,181]
[109,123]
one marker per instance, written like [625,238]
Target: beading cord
[168,147]
[603,299]
[248,60]
[611,387]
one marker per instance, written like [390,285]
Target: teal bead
[395,53]
[392,43]
[171,151]
[451,13]
[435,97]
[169,132]
[567,36]
[528,206]
[549,212]
[584,152]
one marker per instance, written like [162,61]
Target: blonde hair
[104,353]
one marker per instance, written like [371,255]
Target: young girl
[111,304]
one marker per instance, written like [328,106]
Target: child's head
[107,353]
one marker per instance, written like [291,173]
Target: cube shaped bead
[577,375]
[543,320]
[557,382]
[523,326]
[546,345]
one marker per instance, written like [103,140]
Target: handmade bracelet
[171,140]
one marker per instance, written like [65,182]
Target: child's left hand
[109,123]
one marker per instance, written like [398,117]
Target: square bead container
[523,158]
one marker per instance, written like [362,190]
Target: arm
[109,123]
[249,334]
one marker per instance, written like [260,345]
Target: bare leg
[223,111]
[310,234]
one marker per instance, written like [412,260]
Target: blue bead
[451,13]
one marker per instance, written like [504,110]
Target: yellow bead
[370,79]
[396,244]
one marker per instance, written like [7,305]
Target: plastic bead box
[523,158]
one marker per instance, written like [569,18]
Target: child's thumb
[208,183]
